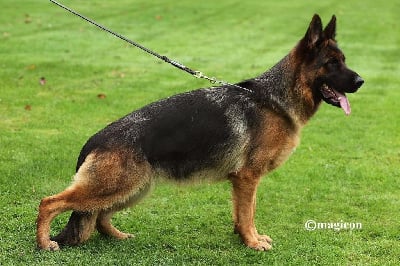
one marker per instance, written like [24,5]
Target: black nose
[358,81]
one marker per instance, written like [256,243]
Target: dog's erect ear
[314,33]
[330,29]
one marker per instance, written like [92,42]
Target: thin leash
[197,74]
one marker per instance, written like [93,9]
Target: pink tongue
[344,103]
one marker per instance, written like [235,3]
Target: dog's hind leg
[103,223]
[78,229]
[80,225]
[104,226]
[104,180]
[49,208]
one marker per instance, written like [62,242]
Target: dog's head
[330,79]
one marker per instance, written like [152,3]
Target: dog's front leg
[244,203]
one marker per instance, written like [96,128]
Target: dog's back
[186,133]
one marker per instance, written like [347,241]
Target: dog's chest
[273,141]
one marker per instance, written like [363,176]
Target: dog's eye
[333,62]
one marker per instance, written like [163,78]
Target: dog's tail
[78,229]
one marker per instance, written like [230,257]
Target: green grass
[346,168]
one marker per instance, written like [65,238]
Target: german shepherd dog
[225,132]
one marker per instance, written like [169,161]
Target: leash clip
[212,80]
[198,74]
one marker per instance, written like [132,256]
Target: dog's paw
[126,236]
[260,245]
[51,246]
[121,235]
[264,238]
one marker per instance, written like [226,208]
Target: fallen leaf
[28,107]
[101,96]
[28,19]
[31,67]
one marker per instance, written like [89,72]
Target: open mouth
[336,98]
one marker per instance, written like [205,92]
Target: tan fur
[273,146]
[105,183]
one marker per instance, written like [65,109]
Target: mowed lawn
[62,80]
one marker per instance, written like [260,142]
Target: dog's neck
[282,88]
